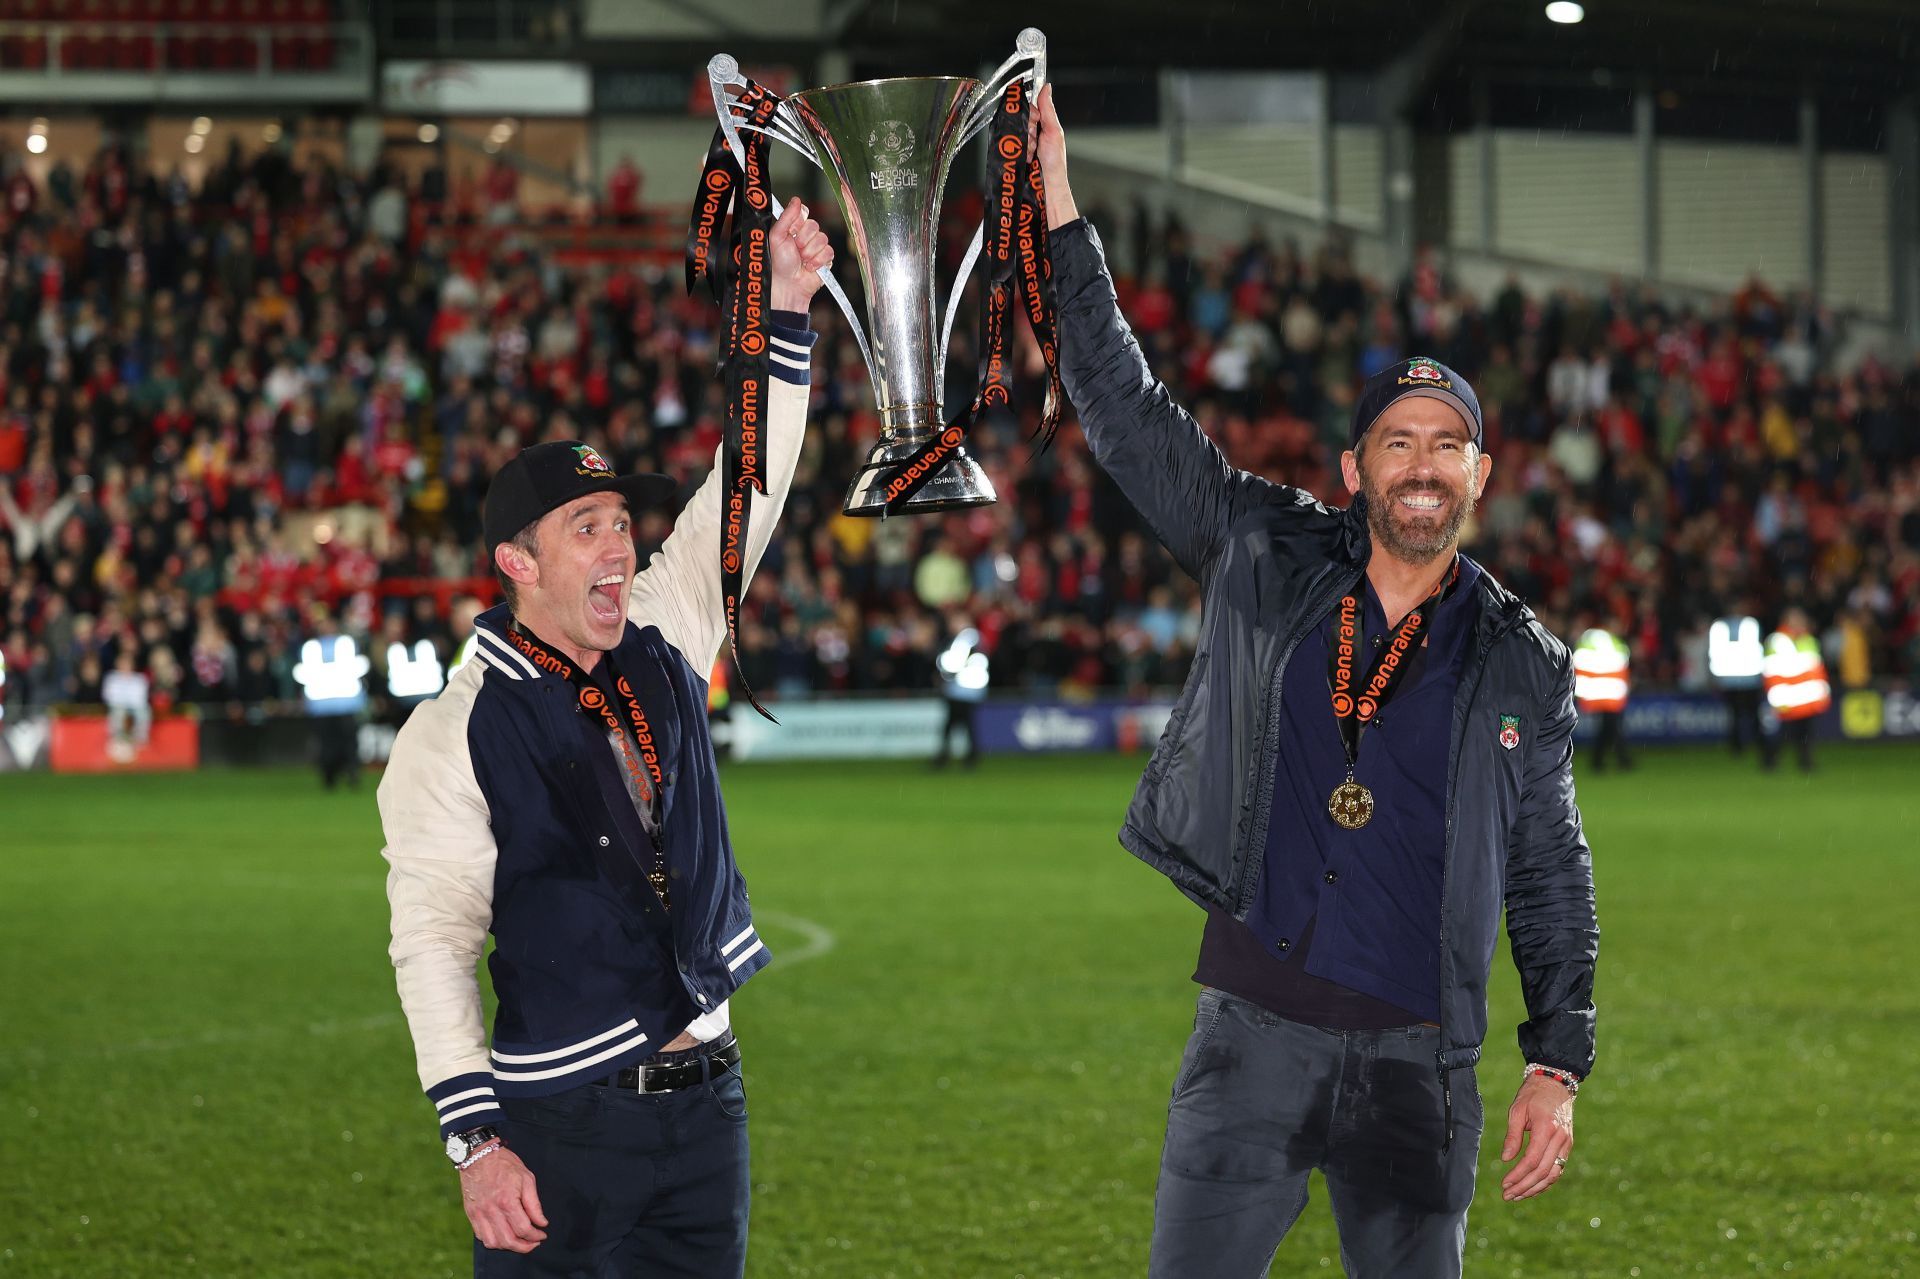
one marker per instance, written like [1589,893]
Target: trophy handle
[1029,46]
[953,308]
[723,72]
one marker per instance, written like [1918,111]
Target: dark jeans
[960,716]
[1262,1101]
[1611,738]
[339,738]
[633,1184]
[1743,718]
[1798,733]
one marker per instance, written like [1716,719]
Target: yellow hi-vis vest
[1796,678]
[1600,672]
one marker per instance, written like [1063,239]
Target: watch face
[456,1148]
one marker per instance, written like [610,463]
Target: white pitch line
[817,940]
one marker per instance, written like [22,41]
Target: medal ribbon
[1354,710]
[719,177]
[744,364]
[639,752]
[1017,202]
[1036,283]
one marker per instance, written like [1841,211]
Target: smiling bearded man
[562,795]
[1371,758]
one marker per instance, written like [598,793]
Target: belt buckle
[647,1075]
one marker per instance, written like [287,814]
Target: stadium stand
[173,35]
[223,408]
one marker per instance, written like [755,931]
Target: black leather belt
[674,1075]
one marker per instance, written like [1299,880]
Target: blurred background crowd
[226,412]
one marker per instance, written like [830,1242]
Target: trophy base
[958,484]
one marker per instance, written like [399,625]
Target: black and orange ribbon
[629,727]
[745,358]
[1017,265]
[719,178]
[1354,709]
[734,209]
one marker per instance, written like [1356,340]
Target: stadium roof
[1870,47]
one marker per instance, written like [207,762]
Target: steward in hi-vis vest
[1736,659]
[1600,684]
[1797,690]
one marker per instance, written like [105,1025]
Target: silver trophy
[887,146]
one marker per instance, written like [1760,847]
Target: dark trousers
[1262,1101]
[960,716]
[1799,732]
[1612,738]
[1743,719]
[339,739]
[633,1184]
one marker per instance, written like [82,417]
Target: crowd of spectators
[225,409]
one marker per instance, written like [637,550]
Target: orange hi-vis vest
[1796,678]
[1600,663]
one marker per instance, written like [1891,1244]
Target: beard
[1416,537]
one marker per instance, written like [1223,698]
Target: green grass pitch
[959,1062]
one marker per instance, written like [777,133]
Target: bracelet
[478,1155]
[1565,1078]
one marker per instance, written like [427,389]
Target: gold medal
[1350,805]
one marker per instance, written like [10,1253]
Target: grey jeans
[1262,1101]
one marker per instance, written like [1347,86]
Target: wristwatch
[462,1144]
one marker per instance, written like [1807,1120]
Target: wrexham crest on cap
[1425,370]
[1509,731]
[591,462]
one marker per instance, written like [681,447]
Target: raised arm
[1173,474]
[679,590]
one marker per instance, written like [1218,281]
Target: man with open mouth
[562,794]
[1371,759]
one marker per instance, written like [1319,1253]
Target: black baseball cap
[1421,377]
[545,477]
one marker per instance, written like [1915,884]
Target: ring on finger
[1559,1161]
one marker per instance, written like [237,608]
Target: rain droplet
[85,1220]
[943,1083]
[346,1135]
[1594,1223]
[357,1179]
[198,1100]
[1732,1233]
[33,1112]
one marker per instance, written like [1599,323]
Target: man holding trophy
[1372,756]
[561,794]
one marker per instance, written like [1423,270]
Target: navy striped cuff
[465,1102]
[792,344]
